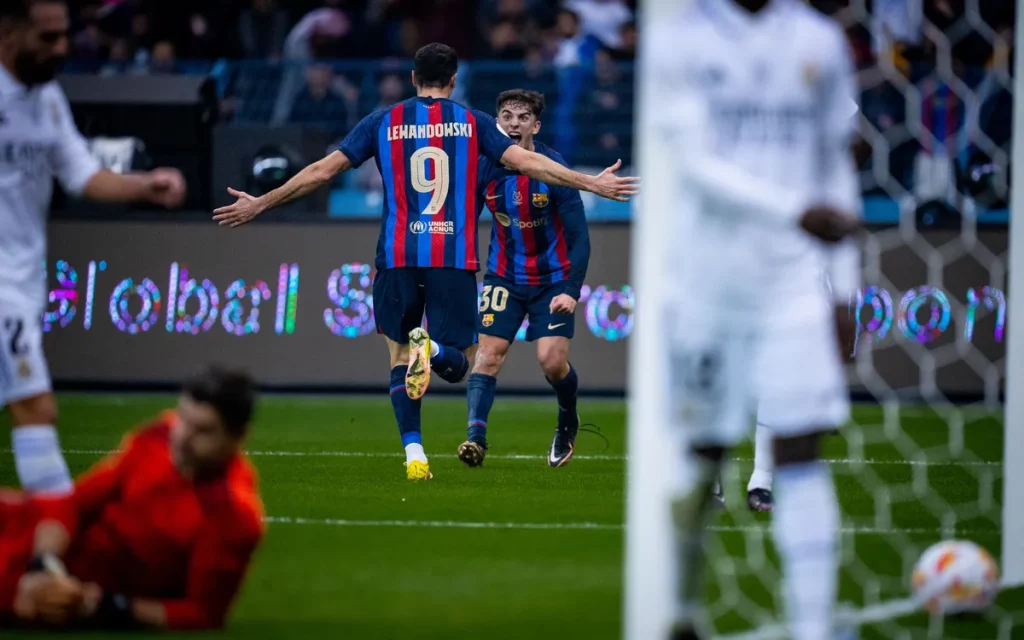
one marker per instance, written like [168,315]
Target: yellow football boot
[417,470]
[417,376]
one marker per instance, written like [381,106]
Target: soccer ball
[955,576]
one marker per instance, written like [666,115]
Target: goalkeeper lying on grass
[158,535]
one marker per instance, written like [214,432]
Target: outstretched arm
[303,183]
[542,168]
[81,175]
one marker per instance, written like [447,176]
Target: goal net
[926,456]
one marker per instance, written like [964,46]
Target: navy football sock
[407,410]
[565,389]
[480,397]
[449,363]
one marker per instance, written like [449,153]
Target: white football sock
[764,459]
[805,529]
[692,511]
[415,451]
[40,464]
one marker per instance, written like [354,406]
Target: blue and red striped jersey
[539,235]
[428,151]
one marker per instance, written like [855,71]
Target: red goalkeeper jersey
[139,528]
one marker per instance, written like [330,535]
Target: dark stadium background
[211,86]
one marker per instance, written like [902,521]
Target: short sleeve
[74,165]
[493,141]
[361,143]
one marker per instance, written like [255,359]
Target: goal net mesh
[921,459]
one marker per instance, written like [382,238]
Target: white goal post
[649,571]
[1013,418]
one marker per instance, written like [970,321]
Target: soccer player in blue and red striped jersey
[537,260]
[428,150]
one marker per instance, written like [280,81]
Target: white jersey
[772,93]
[38,141]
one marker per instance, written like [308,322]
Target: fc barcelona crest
[487,319]
[540,200]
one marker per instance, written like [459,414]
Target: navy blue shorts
[448,297]
[505,304]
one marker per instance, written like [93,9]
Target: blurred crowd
[329,62]
[140,33]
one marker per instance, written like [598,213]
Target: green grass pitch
[518,550]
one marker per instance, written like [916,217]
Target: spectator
[626,51]
[390,90]
[140,38]
[409,37]
[505,43]
[607,111]
[88,42]
[896,24]
[381,26]
[447,21]
[119,58]
[317,35]
[575,47]
[262,29]
[318,104]
[162,59]
[602,19]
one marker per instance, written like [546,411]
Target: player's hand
[846,331]
[243,210]
[563,303]
[46,598]
[608,185]
[92,596]
[166,187]
[828,224]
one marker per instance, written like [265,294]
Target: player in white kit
[759,92]
[39,140]
[759,486]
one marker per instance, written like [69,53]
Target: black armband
[114,612]
[46,563]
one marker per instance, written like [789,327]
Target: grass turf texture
[337,564]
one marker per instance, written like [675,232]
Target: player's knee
[489,359]
[40,409]
[797,449]
[554,361]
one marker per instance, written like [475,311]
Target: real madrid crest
[24,370]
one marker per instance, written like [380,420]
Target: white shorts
[799,381]
[23,370]
[793,375]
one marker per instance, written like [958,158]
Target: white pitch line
[595,526]
[527,456]
[446,524]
